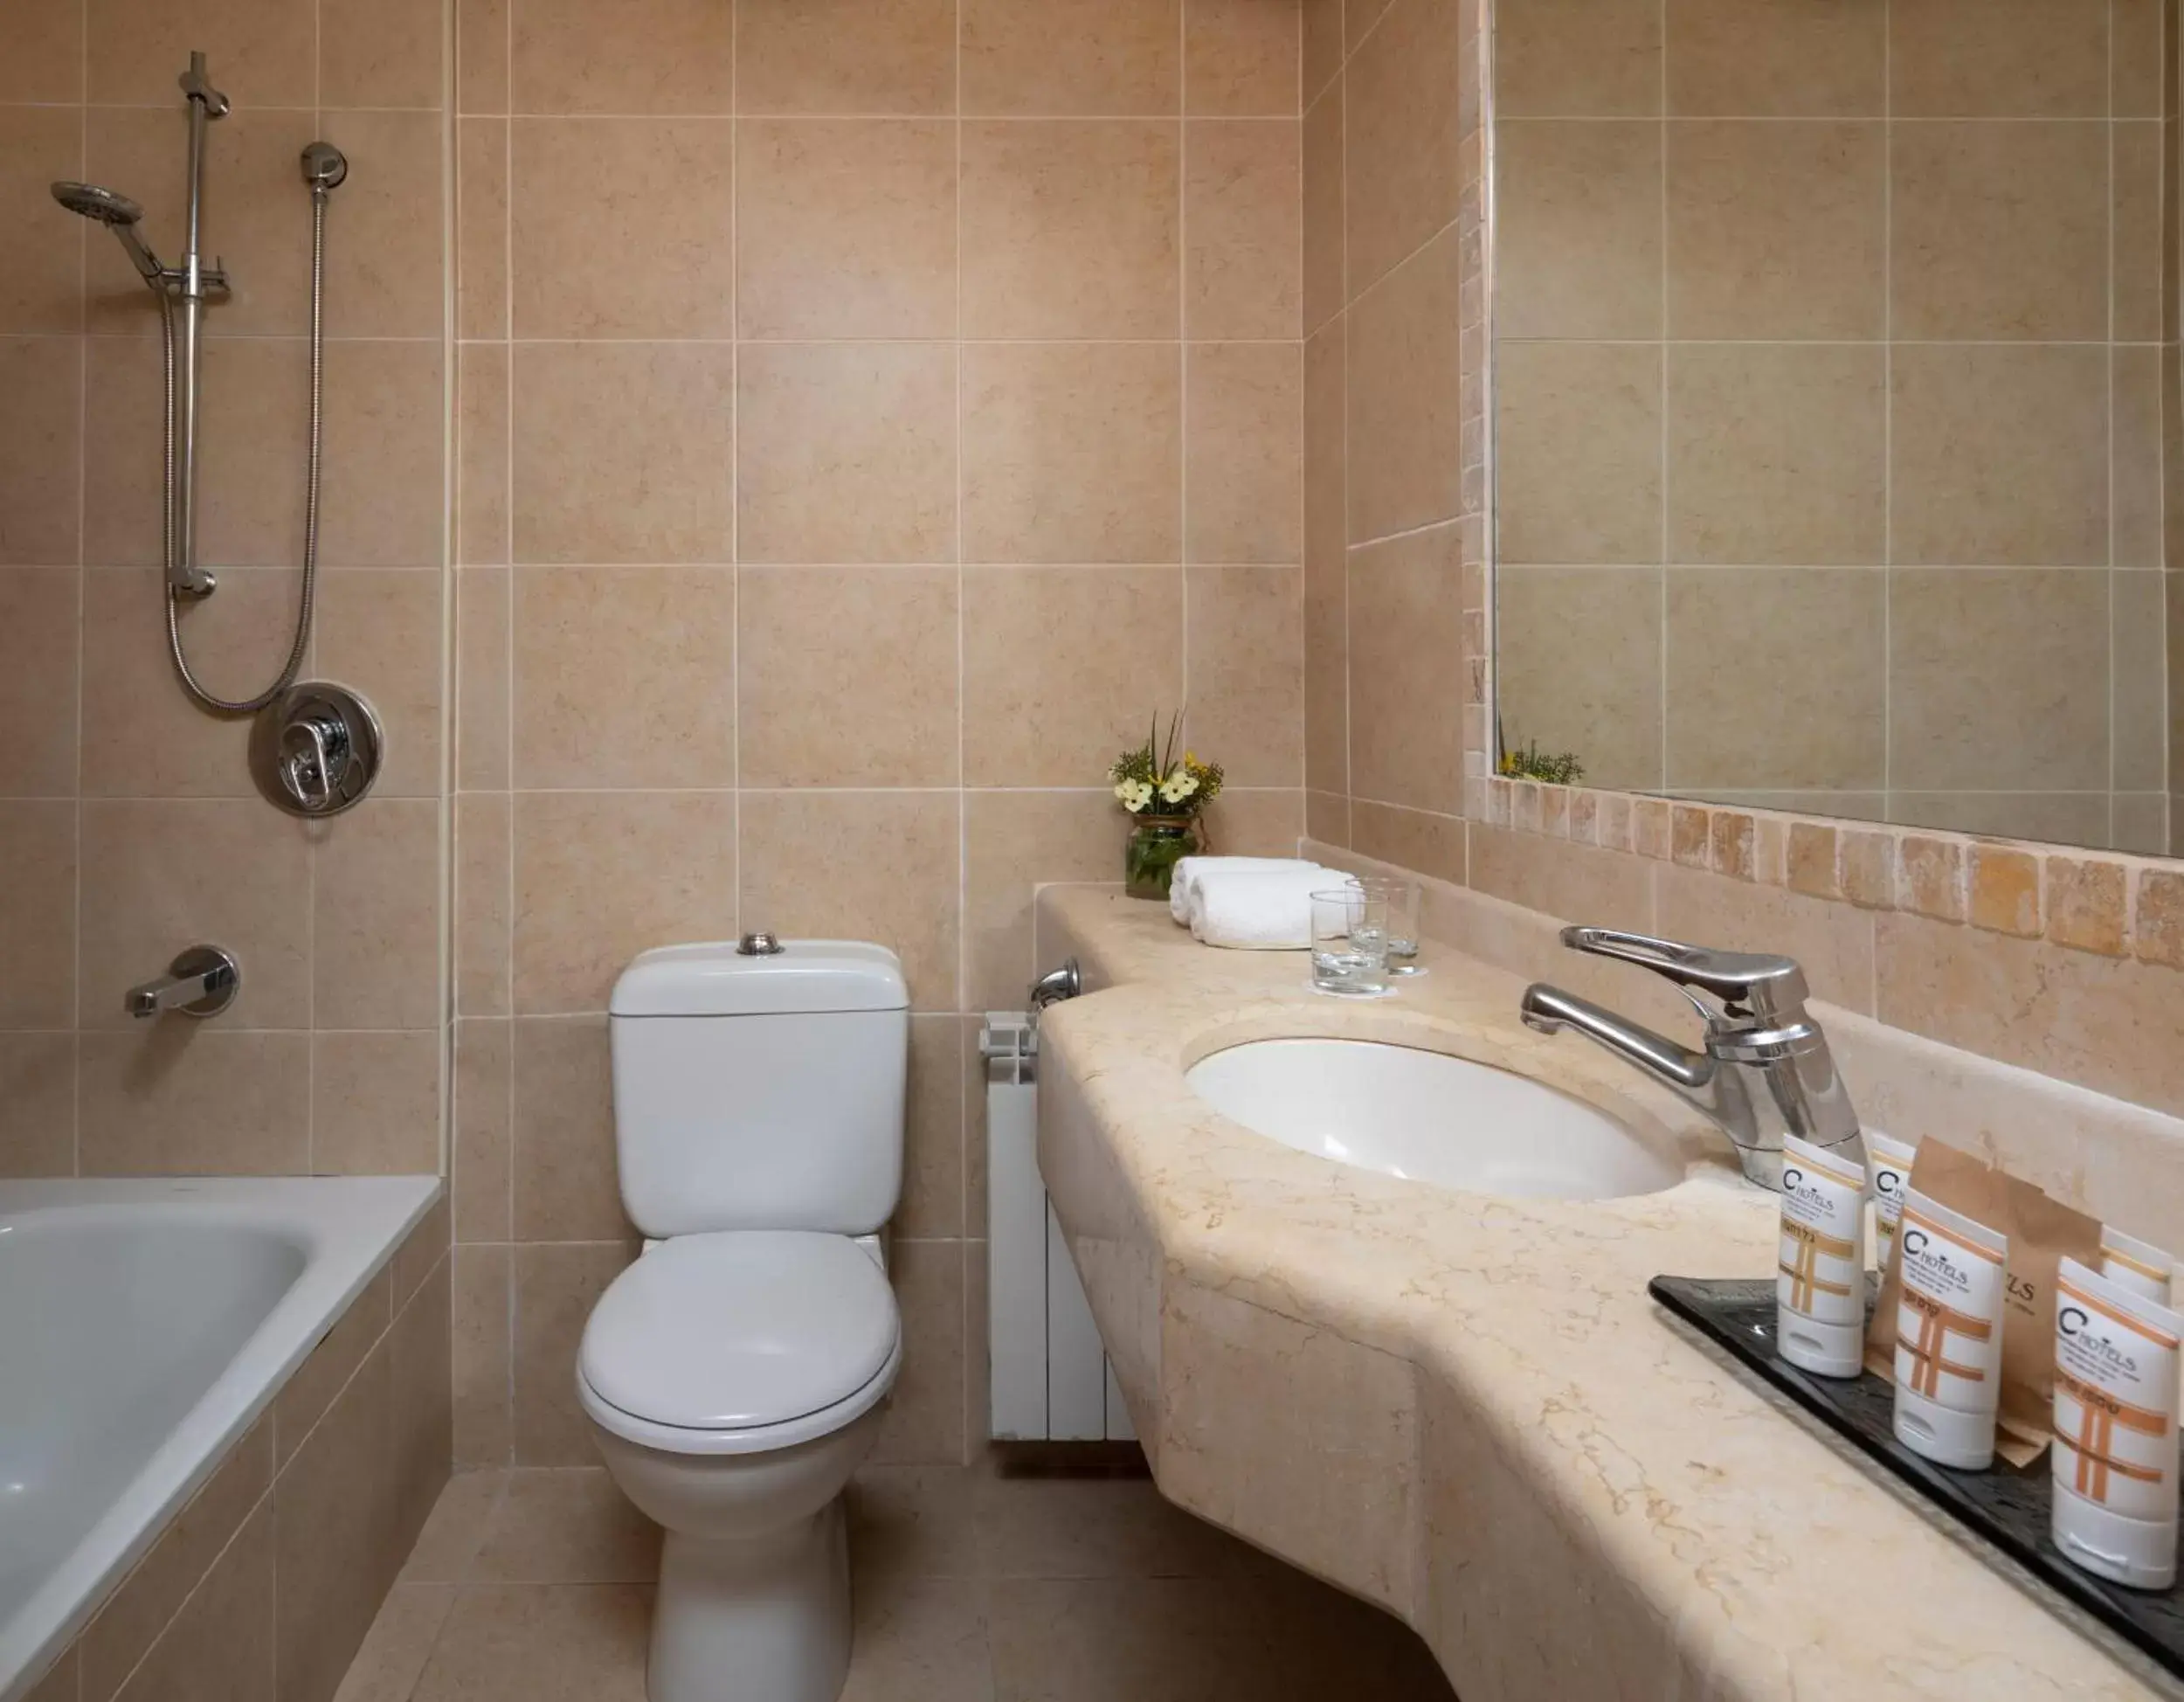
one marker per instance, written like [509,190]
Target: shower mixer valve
[316,750]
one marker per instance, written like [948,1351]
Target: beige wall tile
[481,228]
[375,1104]
[2135,423]
[1578,242]
[1071,230]
[1817,636]
[1405,122]
[845,452]
[374,945]
[1072,453]
[595,253]
[2137,671]
[482,56]
[847,677]
[2005,890]
[37,1105]
[2000,455]
[1325,277]
[625,676]
[1777,59]
[160,1102]
[481,470]
[566,1184]
[1241,213]
[49,41]
[1063,667]
[1327,817]
[1265,821]
[1243,457]
[261,49]
[622,453]
[481,678]
[1579,444]
[1406,711]
[382,498]
[41,281]
[390,56]
[2003,58]
[41,425]
[2139,821]
[1833,943]
[482,898]
[1013,840]
[1777,230]
[2104,1023]
[480,1371]
[1240,58]
[1775,453]
[2064,818]
[555,1285]
[662,56]
[142,903]
[933,1158]
[1326,568]
[2136,228]
[1963,195]
[1432,845]
[1579,668]
[483,1145]
[384,272]
[601,877]
[846,228]
[1577,58]
[845,56]
[1050,57]
[1244,666]
[924,1422]
[38,736]
[2136,30]
[1561,879]
[1987,679]
[384,634]
[1320,45]
[225,1628]
[2087,904]
[1406,464]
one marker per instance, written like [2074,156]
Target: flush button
[760,945]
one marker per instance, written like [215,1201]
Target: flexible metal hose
[170,541]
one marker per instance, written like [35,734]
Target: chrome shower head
[93,202]
[120,215]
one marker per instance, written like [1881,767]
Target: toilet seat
[740,1342]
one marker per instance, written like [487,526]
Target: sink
[1428,1118]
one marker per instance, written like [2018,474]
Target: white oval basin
[1428,1118]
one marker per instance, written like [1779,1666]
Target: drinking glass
[1349,943]
[1403,898]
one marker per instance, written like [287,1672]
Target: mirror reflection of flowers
[1152,780]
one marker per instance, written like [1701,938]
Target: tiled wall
[263,1586]
[128,827]
[870,414]
[1828,353]
[1393,451]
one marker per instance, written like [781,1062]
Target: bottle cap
[1826,1350]
[2138,1553]
[1943,1435]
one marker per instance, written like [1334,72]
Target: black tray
[2007,1506]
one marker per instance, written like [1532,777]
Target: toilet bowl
[734,1375]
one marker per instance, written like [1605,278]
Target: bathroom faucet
[1764,1070]
[202,981]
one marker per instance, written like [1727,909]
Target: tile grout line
[511,1286]
[83,591]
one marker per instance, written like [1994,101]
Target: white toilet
[734,1374]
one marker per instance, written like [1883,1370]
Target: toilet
[735,1372]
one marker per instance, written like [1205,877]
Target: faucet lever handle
[1751,985]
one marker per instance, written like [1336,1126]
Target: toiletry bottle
[2114,1459]
[2139,1265]
[1887,1168]
[1948,1334]
[1820,1262]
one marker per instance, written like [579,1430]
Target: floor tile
[1075,1527]
[912,1519]
[542,1643]
[567,1526]
[918,1640]
[395,1649]
[456,1529]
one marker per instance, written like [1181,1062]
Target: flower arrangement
[1166,797]
[1555,768]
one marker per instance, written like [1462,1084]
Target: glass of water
[1404,898]
[1349,943]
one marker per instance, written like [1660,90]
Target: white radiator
[1051,1379]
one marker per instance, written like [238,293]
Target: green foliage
[1556,768]
[1150,780]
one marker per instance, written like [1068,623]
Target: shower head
[93,202]
[119,214]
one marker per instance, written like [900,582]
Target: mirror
[1834,347]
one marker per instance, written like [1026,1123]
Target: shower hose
[170,538]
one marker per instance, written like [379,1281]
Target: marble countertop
[1466,1408]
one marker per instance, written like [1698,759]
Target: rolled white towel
[1261,909]
[1183,887]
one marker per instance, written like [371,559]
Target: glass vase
[1156,843]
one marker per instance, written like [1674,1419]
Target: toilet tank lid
[806,976]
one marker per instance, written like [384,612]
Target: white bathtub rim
[350,1227]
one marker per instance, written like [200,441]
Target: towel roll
[1189,871]
[1261,909]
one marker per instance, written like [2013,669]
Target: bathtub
[143,1326]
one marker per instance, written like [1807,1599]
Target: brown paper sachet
[2042,1232]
